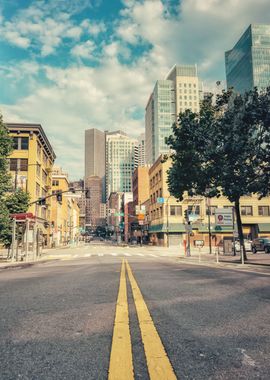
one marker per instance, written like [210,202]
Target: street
[73,319]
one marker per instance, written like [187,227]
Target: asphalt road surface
[125,317]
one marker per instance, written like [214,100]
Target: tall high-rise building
[121,159]
[178,92]
[95,155]
[248,62]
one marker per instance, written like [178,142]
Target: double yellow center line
[121,364]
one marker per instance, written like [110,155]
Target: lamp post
[209,225]
[167,212]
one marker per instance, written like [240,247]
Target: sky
[71,65]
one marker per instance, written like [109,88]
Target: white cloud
[43,25]
[93,28]
[84,50]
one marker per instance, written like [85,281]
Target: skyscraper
[178,92]
[121,159]
[95,155]
[248,62]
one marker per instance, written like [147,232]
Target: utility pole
[13,239]
[167,211]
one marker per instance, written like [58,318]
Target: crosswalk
[83,255]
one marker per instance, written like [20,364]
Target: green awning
[264,227]
[173,227]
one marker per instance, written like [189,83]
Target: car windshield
[266,240]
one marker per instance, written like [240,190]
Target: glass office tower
[248,63]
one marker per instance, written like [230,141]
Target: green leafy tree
[223,150]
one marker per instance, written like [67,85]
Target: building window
[55,182]
[37,190]
[24,143]
[23,164]
[39,150]
[212,210]
[246,210]
[13,165]
[18,164]
[175,210]
[20,143]
[263,210]
[194,210]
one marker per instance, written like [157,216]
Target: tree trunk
[240,228]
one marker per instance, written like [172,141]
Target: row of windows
[185,97]
[188,92]
[187,85]
[245,210]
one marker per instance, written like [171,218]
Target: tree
[223,150]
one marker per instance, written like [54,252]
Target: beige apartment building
[166,214]
[65,210]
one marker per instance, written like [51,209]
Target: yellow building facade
[167,216]
[65,210]
[31,165]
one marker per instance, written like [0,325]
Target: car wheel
[254,250]
[266,250]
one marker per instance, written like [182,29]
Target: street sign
[193,217]
[118,214]
[160,200]
[141,216]
[224,216]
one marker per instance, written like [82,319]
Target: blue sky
[78,64]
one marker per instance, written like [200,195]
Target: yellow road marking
[121,366]
[159,366]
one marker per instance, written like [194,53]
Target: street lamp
[167,211]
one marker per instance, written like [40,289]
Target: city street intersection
[99,312]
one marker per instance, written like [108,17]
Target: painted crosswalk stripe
[152,255]
[114,254]
[140,254]
[87,255]
[127,254]
[101,254]
[76,256]
[121,365]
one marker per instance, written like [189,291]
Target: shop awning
[264,227]
[173,227]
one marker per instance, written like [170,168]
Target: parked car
[247,244]
[261,244]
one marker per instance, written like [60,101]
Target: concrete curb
[23,265]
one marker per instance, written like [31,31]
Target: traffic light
[59,196]
[186,214]
[41,202]
[87,194]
